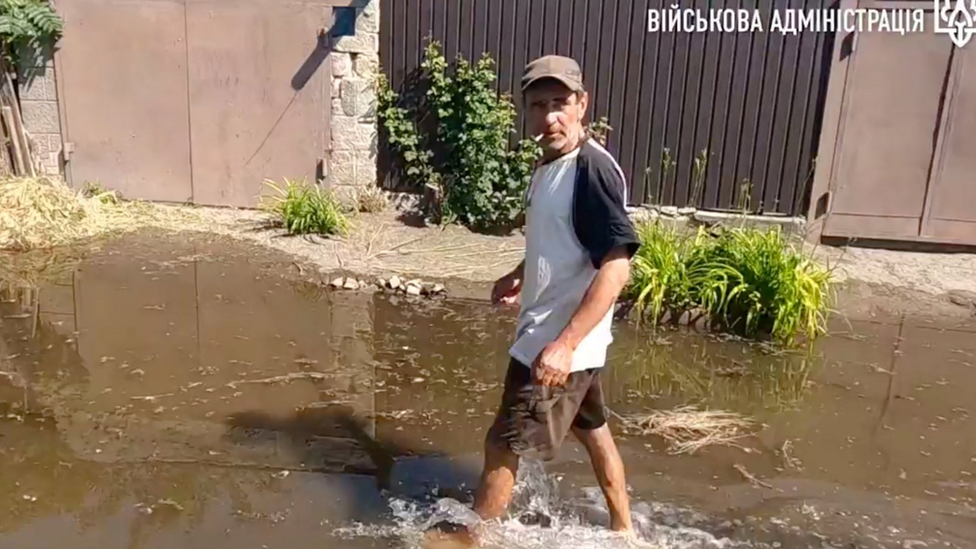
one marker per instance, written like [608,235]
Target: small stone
[383,283]
[671,211]
[337,283]
[686,211]
[643,215]
[395,282]
[962,298]
[438,289]
[413,290]
[351,284]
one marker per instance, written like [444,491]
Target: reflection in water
[169,392]
[691,368]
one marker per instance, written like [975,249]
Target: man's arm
[600,296]
[518,272]
[507,288]
[553,364]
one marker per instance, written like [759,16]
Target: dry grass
[42,213]
[38,267]
[371,199]
[687,429]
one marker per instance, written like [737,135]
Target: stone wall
[39,108]
[355,65]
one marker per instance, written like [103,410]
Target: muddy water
[192,393]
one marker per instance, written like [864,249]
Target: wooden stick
[449,274]
[440,249]
[752,479]
[6,159]
[10,129]
[397,247]
[477,254]
[369,247]
[18,134]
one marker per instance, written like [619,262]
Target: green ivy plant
[463,152]
[27,24]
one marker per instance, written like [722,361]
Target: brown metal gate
[194,100]
[751,101]
[899,167]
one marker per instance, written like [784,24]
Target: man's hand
[506,289]
[552,366]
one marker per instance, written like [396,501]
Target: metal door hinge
[321,169]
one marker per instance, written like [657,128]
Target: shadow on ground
[335,435]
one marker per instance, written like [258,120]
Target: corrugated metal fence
[752,101]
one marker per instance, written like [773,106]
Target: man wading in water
[579,242]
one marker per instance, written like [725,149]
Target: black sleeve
[599,214]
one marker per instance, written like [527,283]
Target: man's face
[554,112]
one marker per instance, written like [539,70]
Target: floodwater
[191,392]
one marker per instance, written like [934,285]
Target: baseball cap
[561,68]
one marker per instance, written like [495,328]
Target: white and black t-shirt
[576,214]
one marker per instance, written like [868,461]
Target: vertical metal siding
[753,102]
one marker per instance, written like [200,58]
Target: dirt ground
[870,281]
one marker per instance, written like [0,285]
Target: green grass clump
[749,281]
[777,289]
[307,209]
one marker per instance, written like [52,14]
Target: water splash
[541,519]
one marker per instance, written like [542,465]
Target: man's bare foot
[631,538]
[445,535]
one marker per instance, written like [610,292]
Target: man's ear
[584,102]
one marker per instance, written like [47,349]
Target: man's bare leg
[609,469]
[497,481]
[490,502]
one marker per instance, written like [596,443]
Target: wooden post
[10,132]
[18,138]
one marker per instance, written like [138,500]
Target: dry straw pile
[41,213]
[687,429]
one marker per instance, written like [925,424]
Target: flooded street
[191,392]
